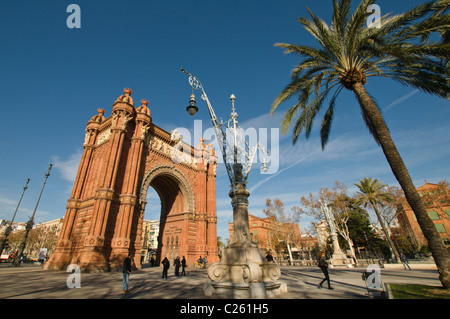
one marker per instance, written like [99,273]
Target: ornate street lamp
[237,172]
[243,271]
[9,227]
[30,223]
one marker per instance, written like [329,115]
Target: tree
[284,226]
[389,212]
[391,209]
[350,52]
[337,201]
[372,192]
[362,232]
[343,210]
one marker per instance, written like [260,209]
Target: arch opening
[169,188]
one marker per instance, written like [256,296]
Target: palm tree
[349,53]
[372,192]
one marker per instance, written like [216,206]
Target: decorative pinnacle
[101,111]
[144,102]
[233,115]
[128,91]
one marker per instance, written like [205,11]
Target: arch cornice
[176,175]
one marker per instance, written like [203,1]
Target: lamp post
[30,223]
[243,271]
[9,227]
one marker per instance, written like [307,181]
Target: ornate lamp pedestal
[243,271]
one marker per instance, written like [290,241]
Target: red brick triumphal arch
[123,156]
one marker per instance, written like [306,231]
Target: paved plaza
[30,282]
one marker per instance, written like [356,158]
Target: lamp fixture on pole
[237,154]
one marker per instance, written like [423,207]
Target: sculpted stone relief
[103,136]
[176,152]
[87,136]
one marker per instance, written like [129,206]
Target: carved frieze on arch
[176,175]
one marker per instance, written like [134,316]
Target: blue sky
[54,79]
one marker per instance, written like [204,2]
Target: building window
[433,215]
[440,228]
[446,241]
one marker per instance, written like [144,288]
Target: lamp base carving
[244,273]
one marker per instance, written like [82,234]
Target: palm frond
[328,119]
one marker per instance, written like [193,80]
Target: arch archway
[177,204]
[168,182]
[123,155]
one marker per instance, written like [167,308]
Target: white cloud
[68,168]
[7,201]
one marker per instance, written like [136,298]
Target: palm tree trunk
[440,254]
[386,232]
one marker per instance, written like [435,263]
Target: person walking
[166,266]
[177,266]
[404,261]
[205,261]
[126,271]
[152,262]
[323,265]
[269,256]
[183,266]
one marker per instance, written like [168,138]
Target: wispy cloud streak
[401,99]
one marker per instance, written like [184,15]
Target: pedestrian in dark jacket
[166,266]
[183,266]
[177,266]
[126,271]
[269,256]
[404,261]
[323,265]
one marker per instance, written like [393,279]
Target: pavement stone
[31,282]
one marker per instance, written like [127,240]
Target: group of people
[177,264]
[201,262]
[127,266]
